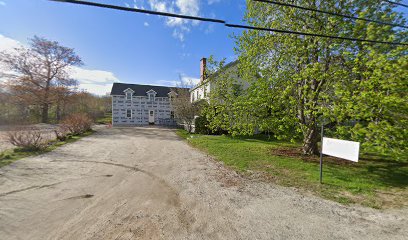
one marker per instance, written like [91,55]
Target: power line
[140,10]
[330,13]
[223,22]
[396,3]
[311,34]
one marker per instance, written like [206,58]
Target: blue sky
[127,47]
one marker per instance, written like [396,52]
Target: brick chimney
[203,69]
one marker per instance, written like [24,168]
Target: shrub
[62,133]
[29,139]
[76,124]
[201,125]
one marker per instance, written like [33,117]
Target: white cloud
[8,44]
[213,1]
[178,35]
[190,7]
[184,81]
[185,7]
[190,80]
[94,81]
[146,24]
[100,90]
[2,3]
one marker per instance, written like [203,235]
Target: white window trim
[127,94]
[150,96]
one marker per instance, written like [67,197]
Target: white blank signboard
[340,148]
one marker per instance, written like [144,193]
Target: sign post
[338,148]
[321,157]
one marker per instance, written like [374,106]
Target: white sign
[340,148]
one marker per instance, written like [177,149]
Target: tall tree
[40,72]
[372,99]
[303,76]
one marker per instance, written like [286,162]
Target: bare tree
[39,73]
[184,110]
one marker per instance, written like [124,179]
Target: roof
[140,90]
[214,75]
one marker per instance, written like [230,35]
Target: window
[172,114]
[129,113]
[151,97]
[128,96]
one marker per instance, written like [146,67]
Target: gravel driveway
[146,183]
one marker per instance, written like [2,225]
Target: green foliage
[228,109]
[376,101]
[374,181]
[201,124]
[299,82]
[105,119]
[183,133]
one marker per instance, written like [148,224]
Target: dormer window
[128,96]
[151,95]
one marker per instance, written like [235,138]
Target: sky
[118,46]
[127,47]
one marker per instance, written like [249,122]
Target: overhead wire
[213,20]
[329,13]
[312,34]
[397,3]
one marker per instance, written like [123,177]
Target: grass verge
[106,119]
[12,155]
[374,181]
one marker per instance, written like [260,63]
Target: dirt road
[146,183]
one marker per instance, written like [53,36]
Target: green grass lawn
[374,181]
[12,155]
[106,119]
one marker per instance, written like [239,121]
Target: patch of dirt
[393,199]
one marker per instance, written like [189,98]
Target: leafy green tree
[227,109]
[304,80]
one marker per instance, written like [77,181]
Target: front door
[151,116]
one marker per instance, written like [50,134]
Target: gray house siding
[140,107]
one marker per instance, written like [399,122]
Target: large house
[135,104]
[208,83]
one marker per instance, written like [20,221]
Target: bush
[62,133]
[201,125]
[29,139]
[75,124]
